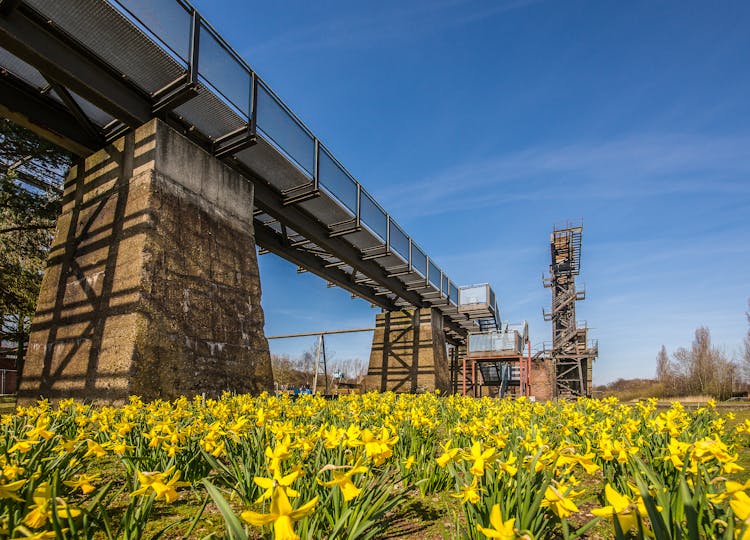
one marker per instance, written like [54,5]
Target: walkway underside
[84,72]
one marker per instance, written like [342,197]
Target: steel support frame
[29,37]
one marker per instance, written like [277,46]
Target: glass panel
[284,130]
[454,295]
[434,275]
[399,242]
[496,341]
[373,216]
[418,260]
[445,288]
[166,19]
[337,182]
[219,67]
[476,294]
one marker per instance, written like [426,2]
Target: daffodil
[378,447]
[41,510]
[560,503]
[161,483]
[344,481]
[83,482]
[620,507]
[94,449]
[478,457]
[24,446]
[281,514]
[449,454]
[278,454]
[740,504]
[278,481]
[508,466]
[469,493]
[678,451]
[504,530]
[10,490]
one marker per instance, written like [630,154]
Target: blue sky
[480,125]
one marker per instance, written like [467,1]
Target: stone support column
[152,285]
[409,352]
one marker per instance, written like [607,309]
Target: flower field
[269,467]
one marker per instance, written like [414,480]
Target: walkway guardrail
[139,59]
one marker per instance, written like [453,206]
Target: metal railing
[209,61]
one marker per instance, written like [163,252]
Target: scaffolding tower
[571,353]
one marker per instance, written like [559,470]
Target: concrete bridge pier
[152,285]
[409,352]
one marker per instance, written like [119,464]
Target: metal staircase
[570,353]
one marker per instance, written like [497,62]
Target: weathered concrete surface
[152,285]
[409,352]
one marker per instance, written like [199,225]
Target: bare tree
[663,370]
[704,368]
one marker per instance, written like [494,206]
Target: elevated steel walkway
[83,72]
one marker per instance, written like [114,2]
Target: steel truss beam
[29,37]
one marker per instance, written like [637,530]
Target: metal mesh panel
[209,114]
[115,40]
[22,70]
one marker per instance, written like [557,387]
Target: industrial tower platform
[571,353]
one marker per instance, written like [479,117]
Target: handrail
[131,10]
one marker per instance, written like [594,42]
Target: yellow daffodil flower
[449,454]
[740,504]
[561,504]
[281,514]
[504,530]
[41,510]
[478,457]
[161,483]
[469,493]
[10,490]
[620,507]
[83,482]
[283,482]
[344,481]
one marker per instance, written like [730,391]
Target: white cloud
[631,167]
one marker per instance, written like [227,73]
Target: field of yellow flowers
[269,467]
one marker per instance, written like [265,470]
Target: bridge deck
[84,71]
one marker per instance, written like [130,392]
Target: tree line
[703,368]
